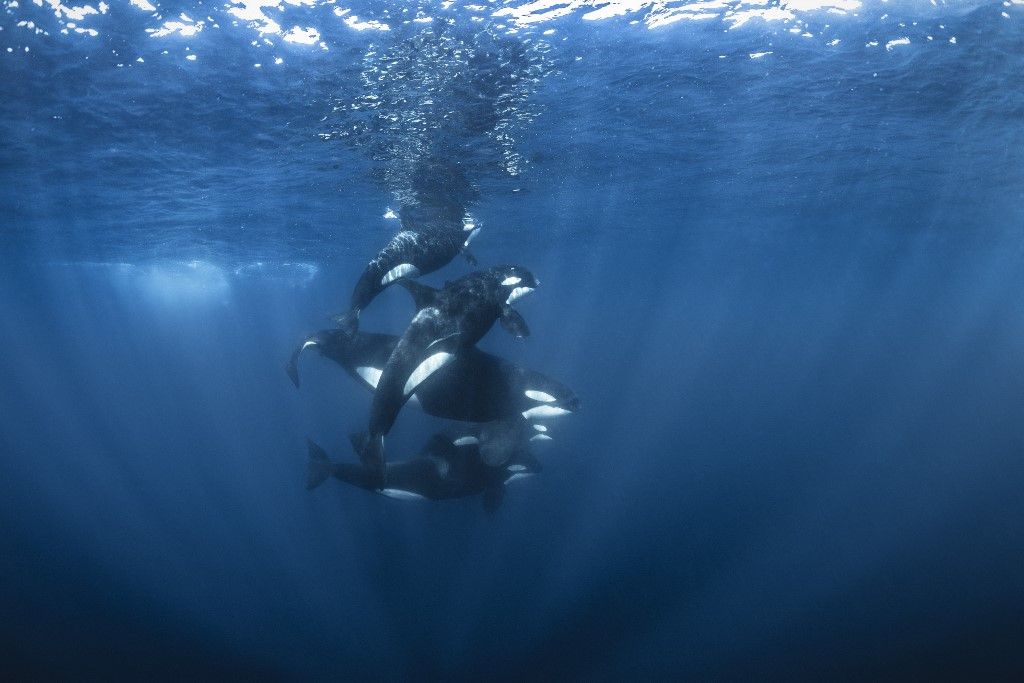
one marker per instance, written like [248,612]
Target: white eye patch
[540,396]
[540,428]
[541,437]
[466,441]
[511,280]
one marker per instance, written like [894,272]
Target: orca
[444,469]
[431,236]
[474,387]
[448,322]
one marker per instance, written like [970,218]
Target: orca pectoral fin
[422,295]
[470,258]
[493,496]
[319,466]
[514,323]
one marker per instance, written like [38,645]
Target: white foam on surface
[265,17]
[302,36]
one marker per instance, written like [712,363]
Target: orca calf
[430,238]
[443,470]
[474,387]
[448,322]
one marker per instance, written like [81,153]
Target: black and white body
[474,387]
[448,322]
[444,469]
[430,238]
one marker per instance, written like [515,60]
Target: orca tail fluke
[319,467]
[348,322]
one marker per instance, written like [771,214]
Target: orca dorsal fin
[423,295]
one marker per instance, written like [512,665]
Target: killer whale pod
[436,364]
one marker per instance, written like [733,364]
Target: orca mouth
[517,294]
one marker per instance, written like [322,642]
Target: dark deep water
[787,289]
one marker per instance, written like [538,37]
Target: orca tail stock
[370,450]
[348,322]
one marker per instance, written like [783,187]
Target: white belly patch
[544,411]
[517,294]
[401,270]
[425,369]
[371,375]
[401,494]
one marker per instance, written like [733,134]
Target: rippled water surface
[781,246]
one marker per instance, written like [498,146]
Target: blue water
[781,255]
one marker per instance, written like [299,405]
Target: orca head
[547,398]
[514,282]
